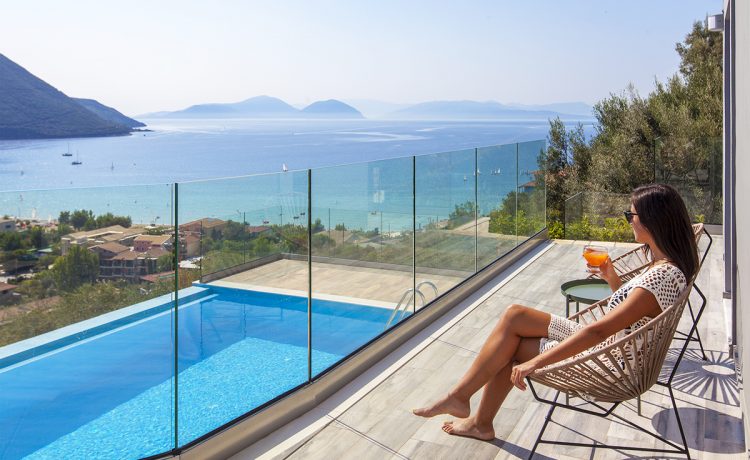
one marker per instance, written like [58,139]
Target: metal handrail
[431,284]
[401,306]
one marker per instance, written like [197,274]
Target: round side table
[585,291]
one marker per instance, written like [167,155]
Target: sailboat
[68,154]
[77,161]
[284,168]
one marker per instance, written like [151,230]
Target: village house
[114,233]
[205,226]
[7,225]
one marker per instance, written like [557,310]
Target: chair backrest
[623,370]
[636,261]
[698,231]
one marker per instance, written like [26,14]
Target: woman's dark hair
[661,210]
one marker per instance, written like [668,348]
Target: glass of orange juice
[595,256]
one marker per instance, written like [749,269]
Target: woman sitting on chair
[532,339]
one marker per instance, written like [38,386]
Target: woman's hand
[608,274]
[520,371]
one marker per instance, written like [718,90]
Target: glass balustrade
[135,320]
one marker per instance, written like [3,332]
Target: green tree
[10,241]
[667,136]
[79,218]
[80,266]
[461,214]
[109,219]
[64,218]
[37,237]
[165,263]
[317,226]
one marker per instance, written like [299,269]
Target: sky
[144,56]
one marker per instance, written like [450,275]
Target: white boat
[284,168]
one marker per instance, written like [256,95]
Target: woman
[536,339]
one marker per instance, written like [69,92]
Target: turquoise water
[199,149]
[137,427]
[183,150]
[113,395]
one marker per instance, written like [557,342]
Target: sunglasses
[629,216]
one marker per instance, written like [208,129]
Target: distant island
[264,107]
[271,107]
[32,109]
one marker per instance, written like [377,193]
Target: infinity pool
[108,390]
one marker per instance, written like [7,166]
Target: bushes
[614,229]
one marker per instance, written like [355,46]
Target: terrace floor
[364,283]
[371,417]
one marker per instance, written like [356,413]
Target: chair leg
[679,422]
[697,334]
[547,419]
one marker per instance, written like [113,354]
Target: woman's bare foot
[468,427]
[448,405]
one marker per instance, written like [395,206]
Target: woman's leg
[480,424]
[517,322]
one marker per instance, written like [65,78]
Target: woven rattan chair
[636,261]
[619,372]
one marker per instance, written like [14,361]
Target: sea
[257,170]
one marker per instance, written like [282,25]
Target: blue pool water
[112,395]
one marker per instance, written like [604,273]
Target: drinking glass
[595,256]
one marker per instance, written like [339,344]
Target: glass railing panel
[242,340]
[446,222]
[362,246]
[496,192]
[531,214]
[695,168]
[597,216]
[86,314]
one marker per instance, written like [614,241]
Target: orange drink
[595,256]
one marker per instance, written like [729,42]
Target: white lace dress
[664,281]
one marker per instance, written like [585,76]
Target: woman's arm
[638,304]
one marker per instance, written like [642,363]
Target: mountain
[33,109]
[255,107]
[472,110]
[263,107]
[331,109]
[108,113]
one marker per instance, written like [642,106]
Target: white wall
[740,19]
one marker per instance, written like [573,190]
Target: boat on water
[77,161]
[284,168]
[68,154]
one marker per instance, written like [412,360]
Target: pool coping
[298,293]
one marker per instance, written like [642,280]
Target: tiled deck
[371,417]
[331,279]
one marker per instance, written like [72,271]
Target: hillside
[33,109]
[331,109]
[108,113]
